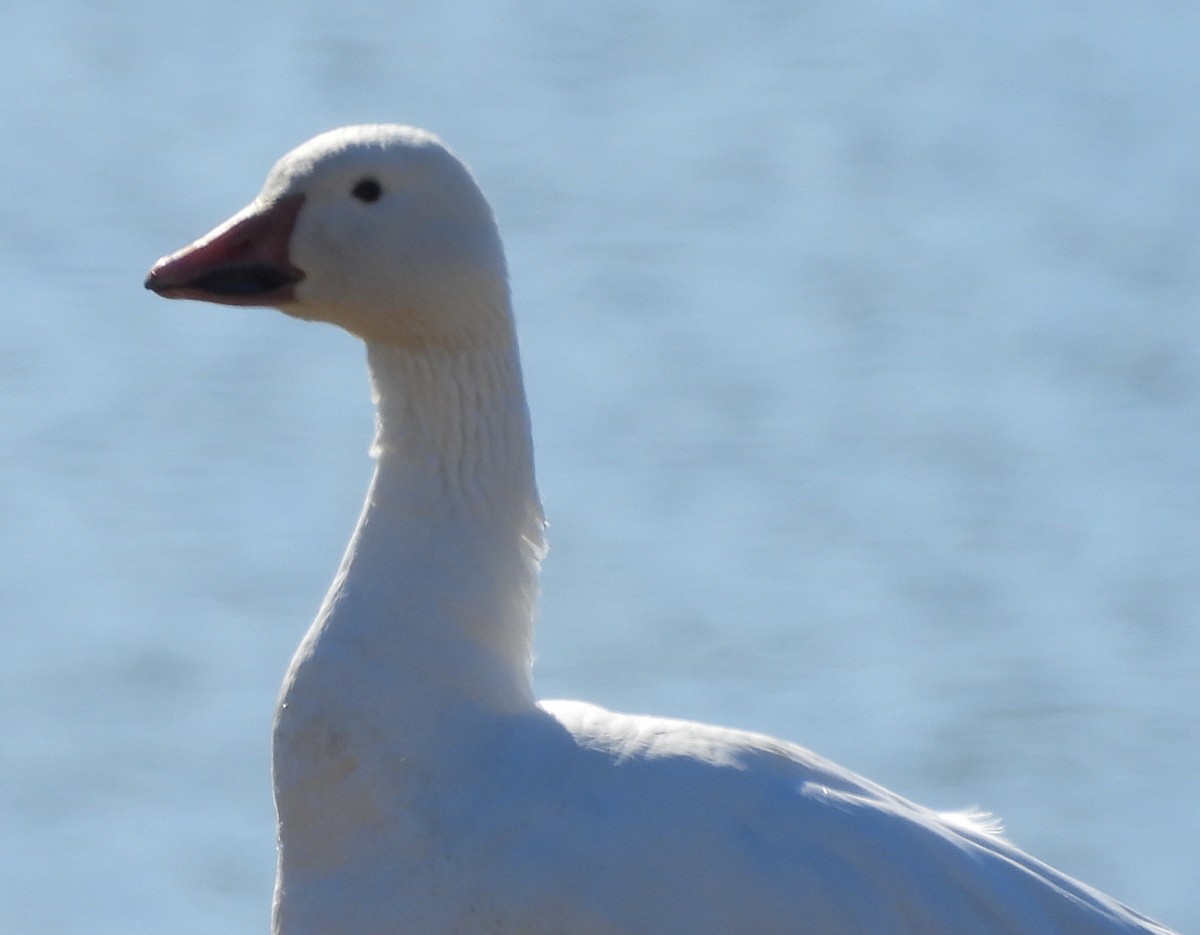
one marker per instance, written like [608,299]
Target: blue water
[863,352]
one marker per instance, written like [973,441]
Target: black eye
[367,190]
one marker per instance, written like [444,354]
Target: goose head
[379,229]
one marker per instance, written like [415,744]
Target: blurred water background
[864,358]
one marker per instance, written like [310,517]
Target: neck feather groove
[439,583]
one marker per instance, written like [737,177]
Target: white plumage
[420,787]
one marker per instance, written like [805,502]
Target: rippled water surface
[863,352]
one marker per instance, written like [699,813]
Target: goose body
[419,786]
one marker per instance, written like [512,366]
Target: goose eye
[367,190]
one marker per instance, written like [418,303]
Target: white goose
[420,788]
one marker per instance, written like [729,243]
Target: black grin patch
[244,280]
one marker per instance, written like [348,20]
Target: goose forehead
[379,148]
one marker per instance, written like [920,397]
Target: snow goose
[419,786]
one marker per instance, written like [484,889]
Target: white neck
[451,537]
[432,607]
